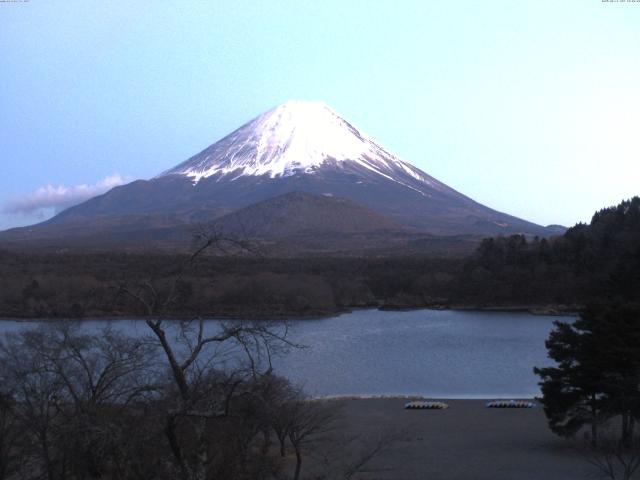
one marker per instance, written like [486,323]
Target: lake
[435,353]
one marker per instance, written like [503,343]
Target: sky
[529,107]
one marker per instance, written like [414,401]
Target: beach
[467,441]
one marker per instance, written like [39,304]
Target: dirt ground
[465,442]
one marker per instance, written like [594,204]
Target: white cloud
[57,198]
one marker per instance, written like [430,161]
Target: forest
[596,260]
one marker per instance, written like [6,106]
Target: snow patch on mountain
[293,138]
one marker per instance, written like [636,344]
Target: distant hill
[300,214]
[300,223]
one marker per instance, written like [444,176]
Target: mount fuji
[295,147]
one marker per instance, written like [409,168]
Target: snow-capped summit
[296,137]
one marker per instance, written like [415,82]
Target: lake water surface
[436,353]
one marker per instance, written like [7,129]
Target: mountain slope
[295,147]
[293,224]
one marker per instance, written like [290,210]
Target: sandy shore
[466,441]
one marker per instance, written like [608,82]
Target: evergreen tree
[572,391]
[597,376]
[616,333]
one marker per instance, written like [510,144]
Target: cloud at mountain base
[59,197]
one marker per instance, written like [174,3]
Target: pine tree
[571,392]
[597,376]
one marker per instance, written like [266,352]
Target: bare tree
[309,422]
[35,391]
[346,457]
[315,431]
[614,458]
[9,435]
[68,388]
[193,354]
[278,409]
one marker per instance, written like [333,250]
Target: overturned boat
[510,404]
[425,405]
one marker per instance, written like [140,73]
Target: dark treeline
[87,285]
[599,259]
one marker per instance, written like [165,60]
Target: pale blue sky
[530,107]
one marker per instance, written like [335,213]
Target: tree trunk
[266,435]
[44,441]
[203,451]
[283,450]
[626,425]
[170,432]
[178,373]
[594,422]
[296,476]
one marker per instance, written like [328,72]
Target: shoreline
[538,310]
[453,398]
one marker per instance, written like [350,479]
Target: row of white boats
[429,405]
